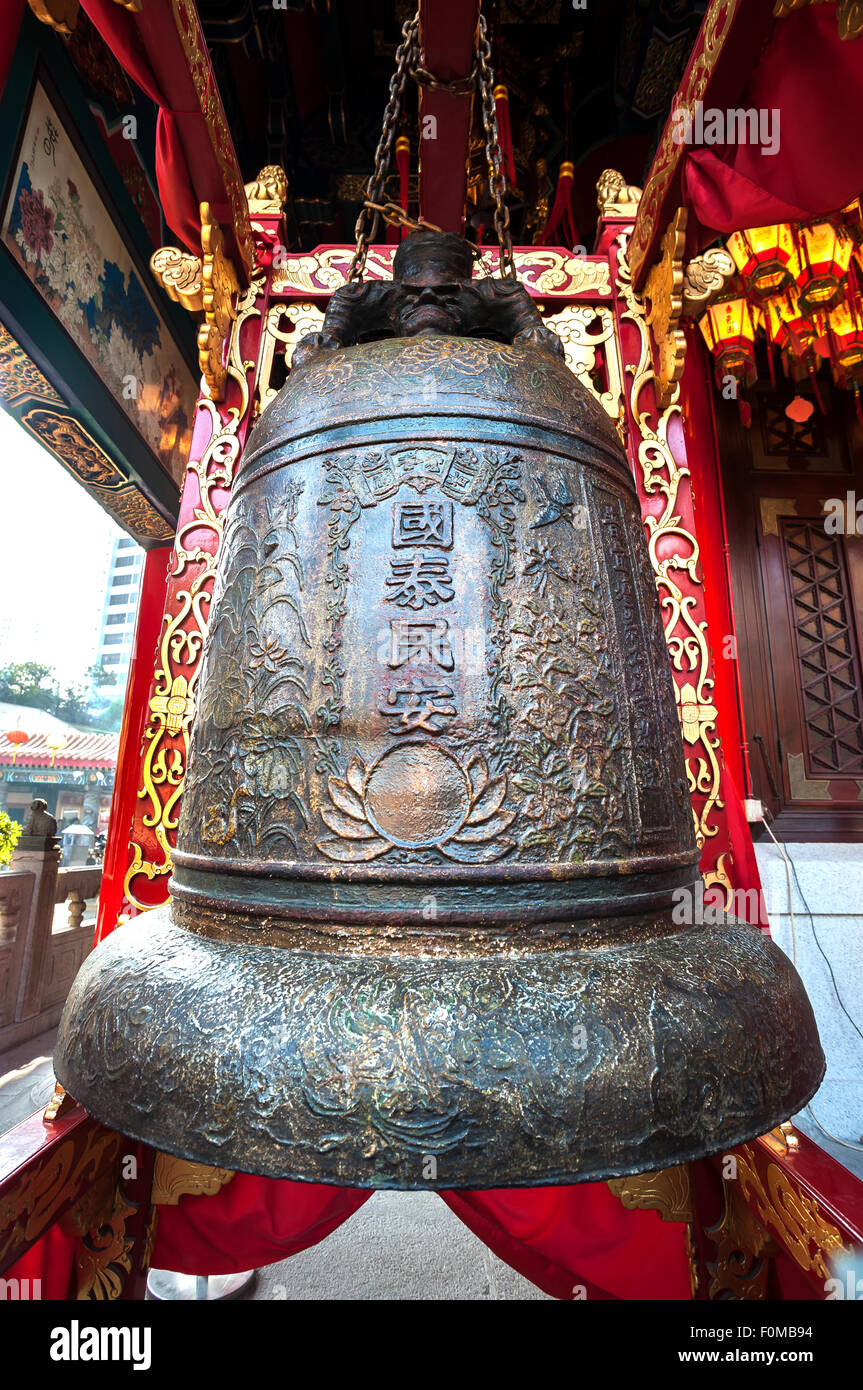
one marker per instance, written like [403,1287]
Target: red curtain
[120,30]
[814,81]
[573,1242]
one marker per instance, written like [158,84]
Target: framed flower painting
[61,232]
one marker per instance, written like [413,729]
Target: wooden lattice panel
[827,654]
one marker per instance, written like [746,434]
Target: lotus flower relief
[417,796]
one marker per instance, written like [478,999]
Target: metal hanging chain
[496,176]
[375,207]
[407,57]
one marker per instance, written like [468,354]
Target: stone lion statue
[612,191]
[270,188]
[40,823]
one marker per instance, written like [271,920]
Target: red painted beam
[448,40]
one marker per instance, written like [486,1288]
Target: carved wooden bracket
[220,286]
[705,279]
[174,1178]
[181,275]
[663,293]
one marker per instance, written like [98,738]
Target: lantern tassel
[857,405]
[814,380]
[504,131]
[403,165]
[560,226]
[744,409]
[770,367]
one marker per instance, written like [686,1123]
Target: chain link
[496,176]
[374,207]
[407,57]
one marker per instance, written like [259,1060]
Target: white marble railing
[45,933]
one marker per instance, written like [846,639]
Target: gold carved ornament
[172,705]
[218,288]
[79,452]
[97,1223]
[20,378]
[705,278]
[587,331]
[668,1192]
[174,1178]
[302,317]
[615,197]
[685,635]
[663,292]
[267,194]
[29,1207]
[542,270]
[181,276]
[62,15]
[762,1216]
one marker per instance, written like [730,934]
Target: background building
[121,607]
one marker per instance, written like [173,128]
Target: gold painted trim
[805,788]
[663,294]
[771,509]
[849,14]
[174,1178]
[795,1219]
[669,1192]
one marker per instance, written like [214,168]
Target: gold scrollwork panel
[674,554]
[172,704]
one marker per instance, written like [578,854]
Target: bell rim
[789,1068]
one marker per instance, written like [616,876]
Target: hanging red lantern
[17,737]
[823,257]
[787,326]
[765,257]
[729,329]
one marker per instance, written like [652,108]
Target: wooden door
[798,591]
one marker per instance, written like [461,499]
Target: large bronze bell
[436,814]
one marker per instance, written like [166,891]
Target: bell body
[436,819]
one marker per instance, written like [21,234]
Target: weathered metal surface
[508,1064]
[436,807]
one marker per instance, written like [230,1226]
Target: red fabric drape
[249,1223]
[176,185]
[561,1238]
[814,80]
[569,1239]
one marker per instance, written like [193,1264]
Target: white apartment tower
[121,607]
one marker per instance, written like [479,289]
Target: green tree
[10,830]
[29,683]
